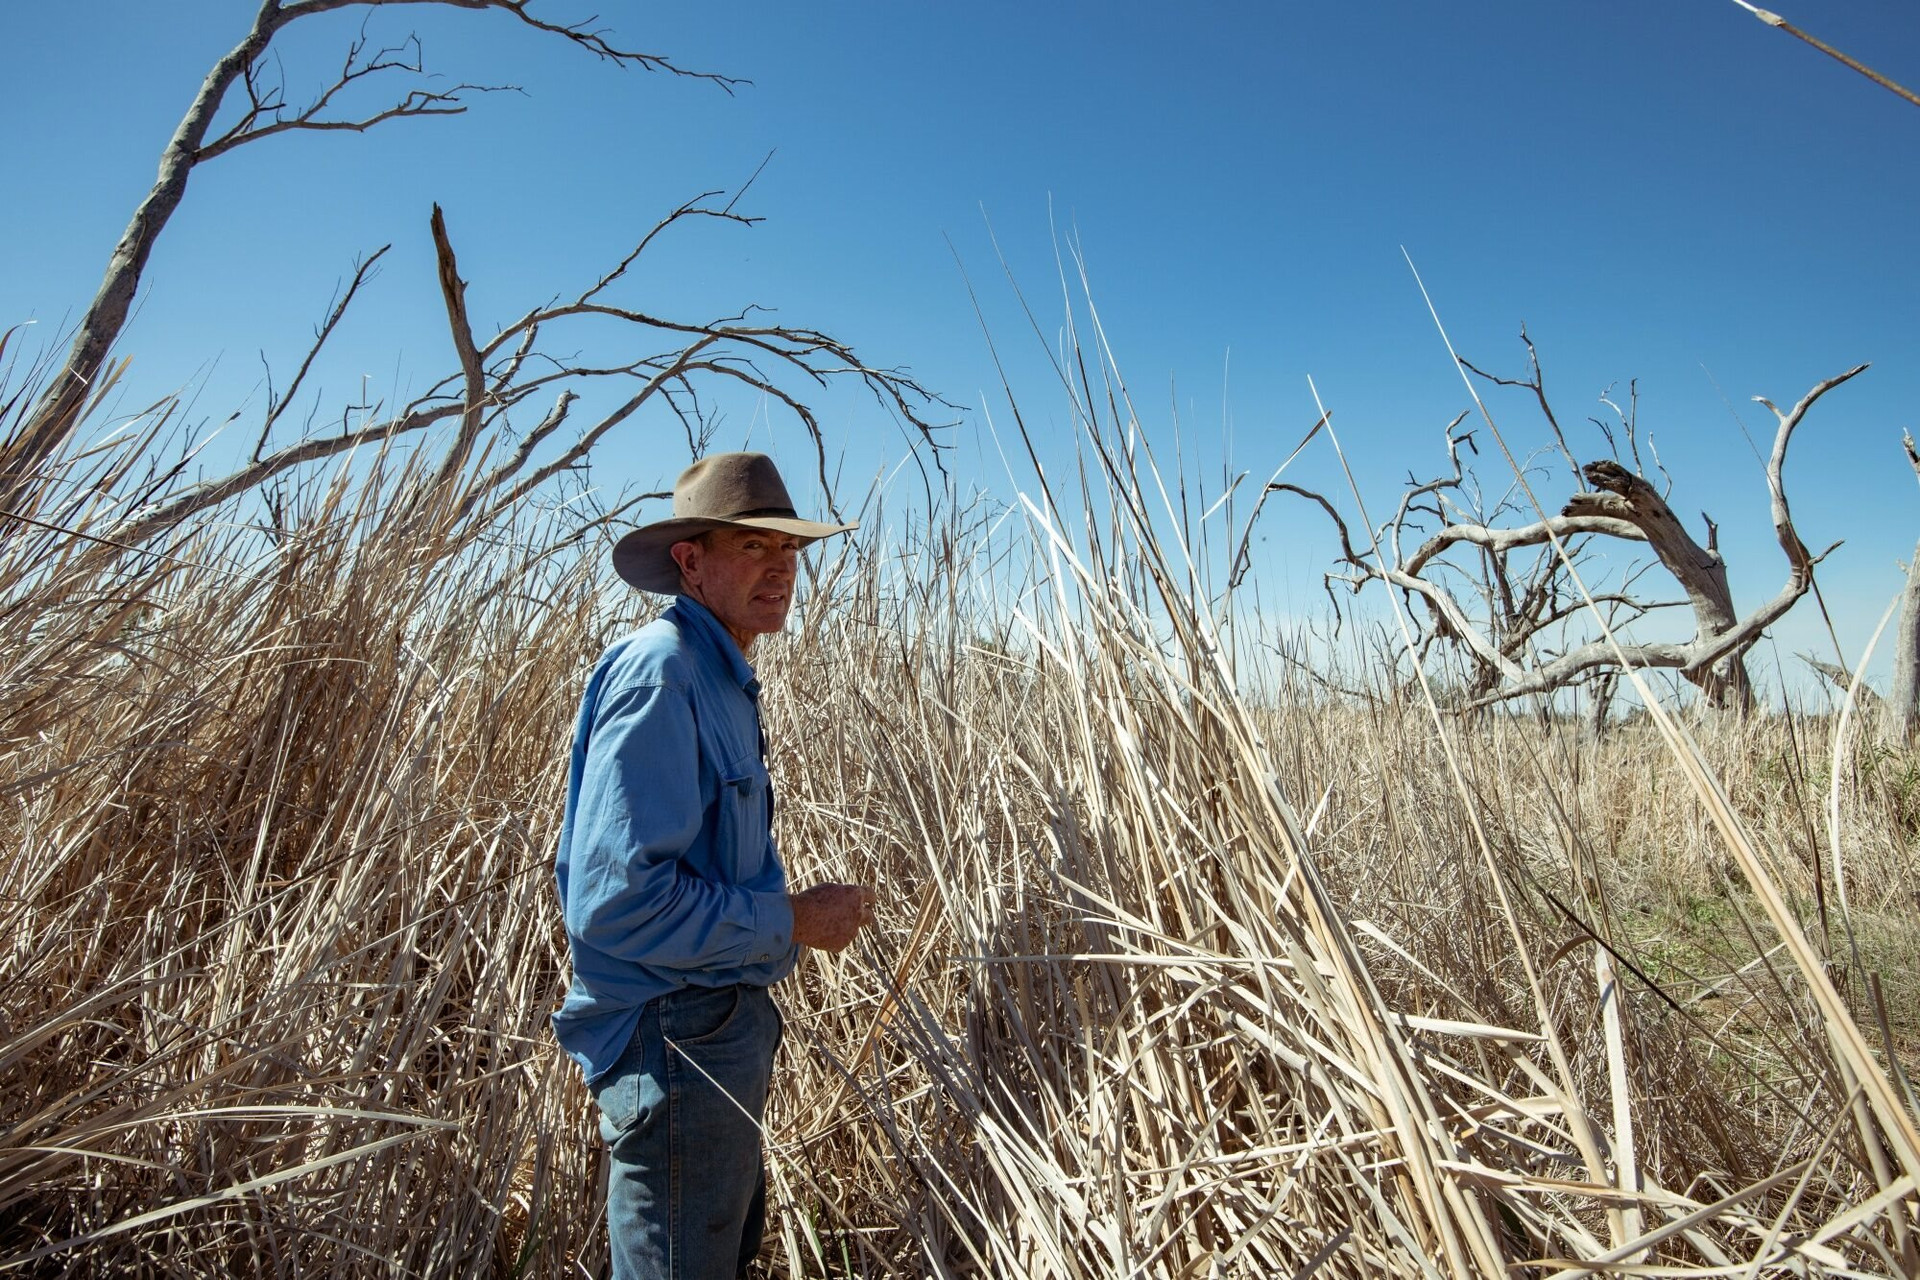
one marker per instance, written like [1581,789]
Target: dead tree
[265,111]
[490,465]
[1902,718]
[1502,598]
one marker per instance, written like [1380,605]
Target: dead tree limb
[1243,551]
[1500,542]
[1536,383]
[1902,720]
[1712,660]
[473,375]
[277,405]
[1775,20]
[1520,636]
[265,114]
[1513,606]
[1621,495]
[508,370]
[1842,679]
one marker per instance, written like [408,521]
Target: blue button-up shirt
[667,872]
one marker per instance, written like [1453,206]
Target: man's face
[745,576]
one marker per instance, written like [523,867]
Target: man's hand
[827,916]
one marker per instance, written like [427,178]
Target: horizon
[1241,182]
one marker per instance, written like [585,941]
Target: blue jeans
[680,1111]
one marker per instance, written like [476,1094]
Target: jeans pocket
[619,1102]
[617,1094]
[627,1091]
[694,1014]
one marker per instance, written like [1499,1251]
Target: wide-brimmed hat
[721,490]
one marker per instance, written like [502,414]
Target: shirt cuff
[772,927]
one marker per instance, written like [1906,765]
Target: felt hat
[722,490]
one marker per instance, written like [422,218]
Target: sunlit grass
[1170,980]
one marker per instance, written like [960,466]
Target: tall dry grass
[277,938]
[1171,979]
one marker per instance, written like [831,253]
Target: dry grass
[1171,981]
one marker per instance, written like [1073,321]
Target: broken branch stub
[1701,573]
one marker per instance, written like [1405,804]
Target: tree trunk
[54,417]
[1600,702]
[1902,715]
[1699,570]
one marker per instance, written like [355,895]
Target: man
[676,906]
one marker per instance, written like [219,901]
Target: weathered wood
[265,114]
[1508,660]
[1842,679]
[1700,571]
[54,416]
[473,377]
[1902,719]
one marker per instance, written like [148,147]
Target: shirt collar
[697,621]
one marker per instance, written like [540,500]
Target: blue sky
[1664,191]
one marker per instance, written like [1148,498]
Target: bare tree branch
[1535,383]
[1775,20]
[357,66]
[1588,657]
[1622,495]
[1454,621]
[1243,553]
[1346,542]
[362,271]
[1842,679]
[587,441]
[185,505]
[453,291]
[592,40]
[1501,541]
[1517,611]
[1415,490]
[33,442]
[694,208]
[1447,611]
[1776,462]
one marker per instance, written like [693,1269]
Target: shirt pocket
[746,813]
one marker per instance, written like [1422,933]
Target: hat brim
[644,557]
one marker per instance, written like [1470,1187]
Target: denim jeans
[680,1111]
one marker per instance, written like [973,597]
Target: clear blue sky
[1660,189]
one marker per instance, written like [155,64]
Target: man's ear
[686,555]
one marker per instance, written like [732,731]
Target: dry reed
[1172,979]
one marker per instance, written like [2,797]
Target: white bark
[1699,570]
[1624,506]
[1901,717]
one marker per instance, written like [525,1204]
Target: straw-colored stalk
[277,926]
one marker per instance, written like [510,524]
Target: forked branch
[1506,635]
[265,113]
[495,377]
